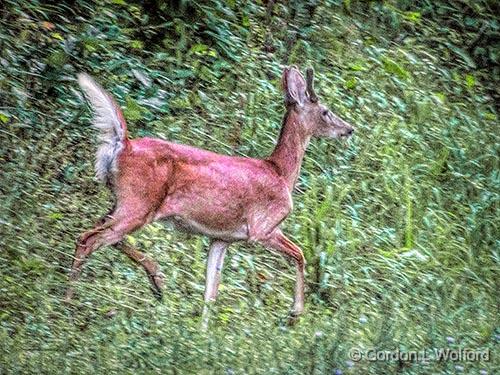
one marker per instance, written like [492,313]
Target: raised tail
[108,118]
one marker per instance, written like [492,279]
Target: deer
[229,199]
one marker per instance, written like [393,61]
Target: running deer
[226,198]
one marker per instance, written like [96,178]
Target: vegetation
[399,225]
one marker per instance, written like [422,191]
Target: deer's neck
[290,149]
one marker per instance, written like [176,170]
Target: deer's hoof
[157,293]
[294,316]
[70,292]
[157,283]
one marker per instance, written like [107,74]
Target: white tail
[111,124]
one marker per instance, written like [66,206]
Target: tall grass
[399,225]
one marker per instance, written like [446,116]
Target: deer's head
[317,119]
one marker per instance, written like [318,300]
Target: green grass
[399,225]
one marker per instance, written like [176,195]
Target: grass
[399,225]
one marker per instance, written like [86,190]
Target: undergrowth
[399,225]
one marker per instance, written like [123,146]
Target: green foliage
[399,225]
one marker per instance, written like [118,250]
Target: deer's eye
[325,112]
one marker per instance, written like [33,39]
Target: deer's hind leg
[110,232]
[156,277]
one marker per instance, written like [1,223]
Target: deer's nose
[350,131]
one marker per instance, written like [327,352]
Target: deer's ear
[294,86]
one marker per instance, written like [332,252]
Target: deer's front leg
[279,242]
[216,254]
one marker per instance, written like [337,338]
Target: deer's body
[226,198]
[220,196]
